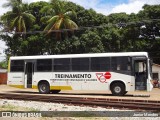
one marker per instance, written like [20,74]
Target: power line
[120,25]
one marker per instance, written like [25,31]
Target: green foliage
[59,19]
[91,42]
[140,34]
[3,64]
[19,19]
[118,17]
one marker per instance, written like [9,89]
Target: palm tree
[60,19]
[19,18]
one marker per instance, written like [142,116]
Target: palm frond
[13,23]
[51,23]
[70,24]
[19,17]
[23,26]
[8,16]
[29,19]
[45,19]
[54,18]
[62,18]
[19,25]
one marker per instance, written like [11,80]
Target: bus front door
[29,69]
[140,73]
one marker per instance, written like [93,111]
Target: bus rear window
[17,65]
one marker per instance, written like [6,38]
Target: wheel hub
[43,88]
[117,89]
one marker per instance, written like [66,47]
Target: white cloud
[3,10]
[97,5]
[133,6]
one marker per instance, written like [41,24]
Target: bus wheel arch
[44,87]
[118,88]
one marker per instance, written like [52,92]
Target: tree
[3,64]
[19,19]
[140,31]
[60,18]
[90,42]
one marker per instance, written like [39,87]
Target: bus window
[44,65]
[17,65]
[120,64]
[62,64]
[100,64]
[80,64]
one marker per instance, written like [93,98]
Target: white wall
[156,69]
[3,70]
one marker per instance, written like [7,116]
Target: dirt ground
[137,95]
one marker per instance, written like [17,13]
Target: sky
[105,7]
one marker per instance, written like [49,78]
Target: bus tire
[44,88]
[55,91]
[118,89]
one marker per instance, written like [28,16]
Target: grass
[74,115]
[9,107]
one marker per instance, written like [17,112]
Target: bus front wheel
[118,89]
[44,88]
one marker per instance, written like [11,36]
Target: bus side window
[120,64]
[62,64]
[17,65]
[80,64]
[44,65]
[100,64]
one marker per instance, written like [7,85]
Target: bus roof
[81,55]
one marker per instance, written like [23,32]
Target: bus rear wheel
[55,91]
[118,89]
[44,88]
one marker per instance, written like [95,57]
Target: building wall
[3,78]
[156,69]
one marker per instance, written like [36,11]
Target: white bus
[118,72]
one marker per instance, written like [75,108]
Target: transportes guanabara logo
[103,77]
